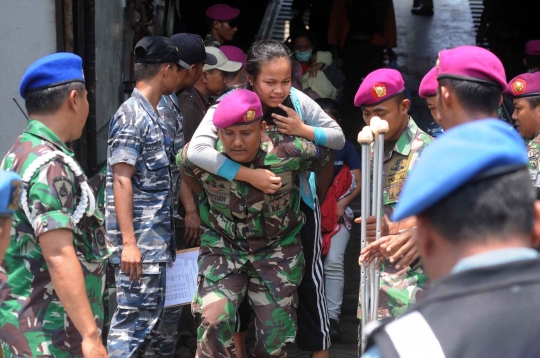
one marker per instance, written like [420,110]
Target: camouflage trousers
[399,289]
[215,309]
[139,308]
[169,325]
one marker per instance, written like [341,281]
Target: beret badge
[250,115]
[518,87]
[378,90]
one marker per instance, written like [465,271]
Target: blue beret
[10,192]
[465,152]
[52,70]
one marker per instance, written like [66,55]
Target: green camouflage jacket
[533,151]
[248,225]
[33,321]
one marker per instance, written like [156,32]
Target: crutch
[365,138]
[379,128]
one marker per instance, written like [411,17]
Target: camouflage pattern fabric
[138,136]
[247,226]
[210,41]
[533,151]
[140,304]
[400,288]
[215,306]
[33,321]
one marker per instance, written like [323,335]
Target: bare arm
[192,221]
[123,203]
[5,236]
[325,177]
[68,282]
[349,198]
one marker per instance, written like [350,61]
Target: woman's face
[273,83]
[302,44]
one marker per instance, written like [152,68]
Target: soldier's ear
[250,80]
[263,126]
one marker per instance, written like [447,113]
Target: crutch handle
[378,125]
[365,135]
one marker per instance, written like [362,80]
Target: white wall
[28,32]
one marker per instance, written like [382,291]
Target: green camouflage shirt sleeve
[314,158]
[533,152]
[183,163]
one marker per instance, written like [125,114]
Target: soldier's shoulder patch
[63,186]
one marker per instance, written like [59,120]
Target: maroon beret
[238,107]
[379,86]
[428,86]
[222,12]
[525,85]
[532,48]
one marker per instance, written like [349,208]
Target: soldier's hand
[290,125]
[265,181]
[93,348]
[192,232]
[131,261]
[373,251]
[402,249]
[371,223]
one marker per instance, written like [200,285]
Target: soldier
[471,83]
[192,54]
[475,237]
[525,89]
[383,94]
[139,200]
[53,272]
[10,195]
[252,249]
[428,90]
[222,24]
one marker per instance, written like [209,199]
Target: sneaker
[335,333]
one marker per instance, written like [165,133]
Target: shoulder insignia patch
[63,187]
[15,195]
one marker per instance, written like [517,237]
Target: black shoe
[422,10]
[335,333]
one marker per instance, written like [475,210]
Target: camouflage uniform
[33,321]
[533,151]
[252,249]
[400,288]
[210,41]
[138,136]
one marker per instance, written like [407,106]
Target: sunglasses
[232,23]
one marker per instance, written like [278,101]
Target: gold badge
[518,87]
[15,195]
[250,115]
[378,90]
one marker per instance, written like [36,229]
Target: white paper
[182,279]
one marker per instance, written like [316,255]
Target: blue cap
[52,70]
[10,192]
[474,150]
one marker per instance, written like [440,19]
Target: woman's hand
[314,68]
[292,124]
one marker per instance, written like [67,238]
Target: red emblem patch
[519,86]
[378,90]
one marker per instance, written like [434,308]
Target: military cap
[50,71]
[239,107]
[191,50]
[235,54]
[472,151]
[10,192]
[222,12]
[471,63]
[156,49]
[532,48]
[428,86]
[525,85]
[379,86]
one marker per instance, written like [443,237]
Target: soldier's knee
[218,313]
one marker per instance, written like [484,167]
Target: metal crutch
[365,138]
[379,128]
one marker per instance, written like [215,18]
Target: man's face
[241,142]
[227,29]
[527,118]
[170,77]
[194,74]
[214,81]
[82,109]
[394,111]
[432,106]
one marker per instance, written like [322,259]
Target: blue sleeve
[352,160]
[320,136]
[228,170]
[373,352]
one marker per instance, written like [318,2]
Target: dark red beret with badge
[524,85]
[428,86]
[239,107]
[379,86]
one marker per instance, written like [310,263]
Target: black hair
[304,33]
[475,96]
[49,100]
[330,106]
[534,101]
[262,52]
[533,62]
[210,24]
[146,71]
[491,208]
[230,76]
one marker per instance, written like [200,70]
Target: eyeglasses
[232,23]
